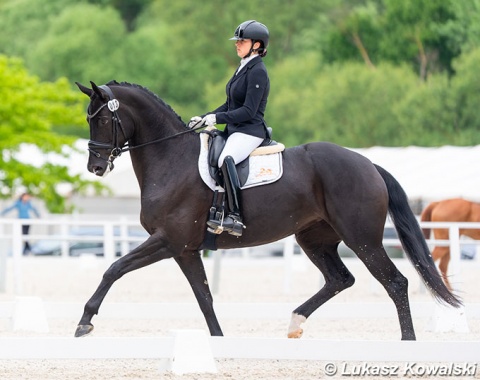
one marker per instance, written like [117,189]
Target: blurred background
[359,73]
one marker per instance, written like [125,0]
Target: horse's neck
[164,154]
[166,159]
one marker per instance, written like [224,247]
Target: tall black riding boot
[233,222]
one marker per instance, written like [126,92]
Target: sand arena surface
[241,280]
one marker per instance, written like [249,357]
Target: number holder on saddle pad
[262,167]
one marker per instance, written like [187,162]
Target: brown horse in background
[449,210]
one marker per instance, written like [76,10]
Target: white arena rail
[242,348]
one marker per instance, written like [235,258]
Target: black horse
[326,194]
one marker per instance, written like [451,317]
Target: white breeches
[239,146]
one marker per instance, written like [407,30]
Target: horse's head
[107,134]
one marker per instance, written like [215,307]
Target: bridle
[116,150]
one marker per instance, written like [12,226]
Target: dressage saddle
[216,144]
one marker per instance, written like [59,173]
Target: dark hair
[262,51]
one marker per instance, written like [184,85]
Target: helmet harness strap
[252,50]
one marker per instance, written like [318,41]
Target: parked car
[78,247]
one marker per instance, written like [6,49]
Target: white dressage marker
[191,353]
[448,319]
[29,315]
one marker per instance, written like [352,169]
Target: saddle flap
[266,169]
[216,143]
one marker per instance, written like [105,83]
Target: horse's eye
[102,121]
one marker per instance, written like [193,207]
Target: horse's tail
[427,217]
[413,242]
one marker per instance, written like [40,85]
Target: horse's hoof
[297,334]
[83,330]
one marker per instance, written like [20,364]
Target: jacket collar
[247,66]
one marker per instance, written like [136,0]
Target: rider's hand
[210,119]
[195,121]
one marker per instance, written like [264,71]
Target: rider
[243,113]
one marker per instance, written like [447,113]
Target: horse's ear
[87,91]
[97,91]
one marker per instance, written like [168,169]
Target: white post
[124,246]
[454,237]
[108,242]
[3,260]
[217,258]
[65,242]
[17,256]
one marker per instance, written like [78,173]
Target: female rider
[243,113]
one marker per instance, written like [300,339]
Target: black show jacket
[247,94]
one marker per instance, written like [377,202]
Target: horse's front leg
[191,264]
[154,249]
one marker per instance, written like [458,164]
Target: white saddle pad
[264,169]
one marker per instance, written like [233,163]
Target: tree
[413,33]
[355,105]
[28,112]
[465,91]
[129,9]
[181,51]
[82,43]
[24,24]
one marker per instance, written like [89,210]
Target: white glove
[194,122]
[210,119]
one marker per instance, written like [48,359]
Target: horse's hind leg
[191,264]
[323,253]
[382,268]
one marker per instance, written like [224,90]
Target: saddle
[216,143]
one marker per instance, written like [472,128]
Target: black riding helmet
[255,31]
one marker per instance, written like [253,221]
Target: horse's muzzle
[100,169]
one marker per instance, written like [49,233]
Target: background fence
[116,238]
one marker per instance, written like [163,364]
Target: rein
[113,105]
[126,149]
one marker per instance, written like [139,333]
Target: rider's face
[243,47]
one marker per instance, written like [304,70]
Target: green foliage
[81,43]
[352,105]
[355,72]
[290,98]
[29,111]
[24,23]
[464,30]
[465,90]
[426,113]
